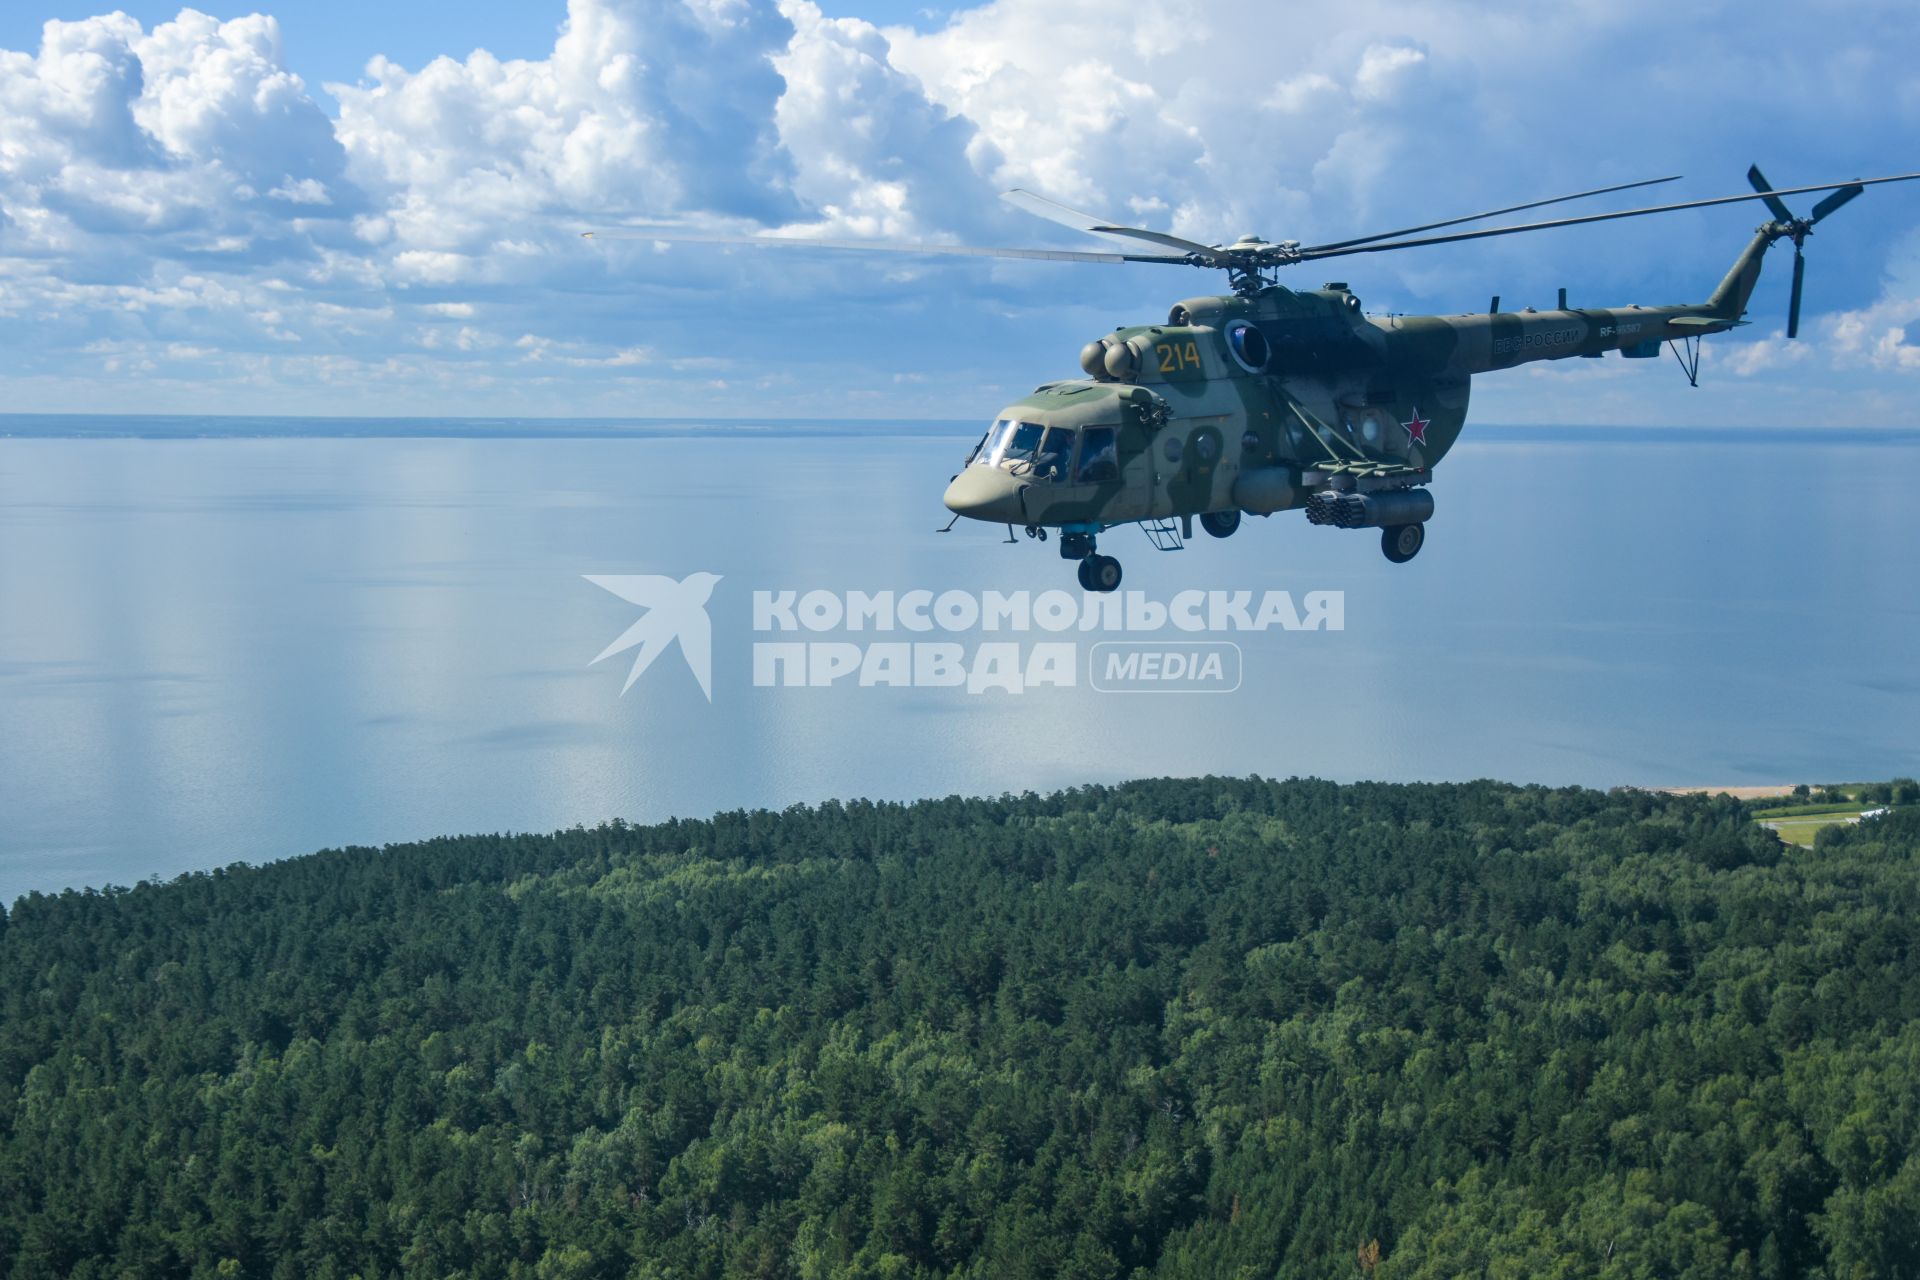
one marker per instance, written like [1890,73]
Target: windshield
[1020,443]
[996,436]
[1009,441]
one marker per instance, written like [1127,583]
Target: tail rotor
[1786,226]
[1793,299]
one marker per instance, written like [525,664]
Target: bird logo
[675,610]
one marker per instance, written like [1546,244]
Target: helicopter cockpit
[1077,455]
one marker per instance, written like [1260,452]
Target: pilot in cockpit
[1050,460]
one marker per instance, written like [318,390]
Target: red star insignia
[1416,429]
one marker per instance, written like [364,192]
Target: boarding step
[1164,534]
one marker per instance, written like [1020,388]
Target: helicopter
[1267,399]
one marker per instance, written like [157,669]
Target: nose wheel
[1099,573]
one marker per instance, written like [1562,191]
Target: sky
[368,209]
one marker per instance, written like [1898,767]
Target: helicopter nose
[985,493]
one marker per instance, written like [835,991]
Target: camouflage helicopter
[1268,399]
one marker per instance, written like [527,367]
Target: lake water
[226,649]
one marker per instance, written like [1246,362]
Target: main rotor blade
[1759,181]
[1833,202]
[1081,220]
[1494,213]
[877,246]
[1793,301]
[1597,217]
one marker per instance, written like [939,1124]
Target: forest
[1203,1027]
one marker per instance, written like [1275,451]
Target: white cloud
[180,189]
[1059,103]
[110,129]
[432,266]
[302,191]
[1388,73]
[219,91]
[1301,93]
[871,156]
[1880,335]
[1756,356]
[644,107]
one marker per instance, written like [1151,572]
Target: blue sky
[343,208]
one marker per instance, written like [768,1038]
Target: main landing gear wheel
[1220,524]
[1402,542]
[1100,573]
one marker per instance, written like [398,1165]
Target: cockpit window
[979,451]
[996,436]
[1098,462]
[1051,462]
[1009,441]
[1021,442]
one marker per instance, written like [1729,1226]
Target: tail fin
[1729,301]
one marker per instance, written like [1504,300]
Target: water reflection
[244,649]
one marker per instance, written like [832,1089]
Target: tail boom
[1502,339]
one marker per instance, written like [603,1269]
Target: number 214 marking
[1175,356]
